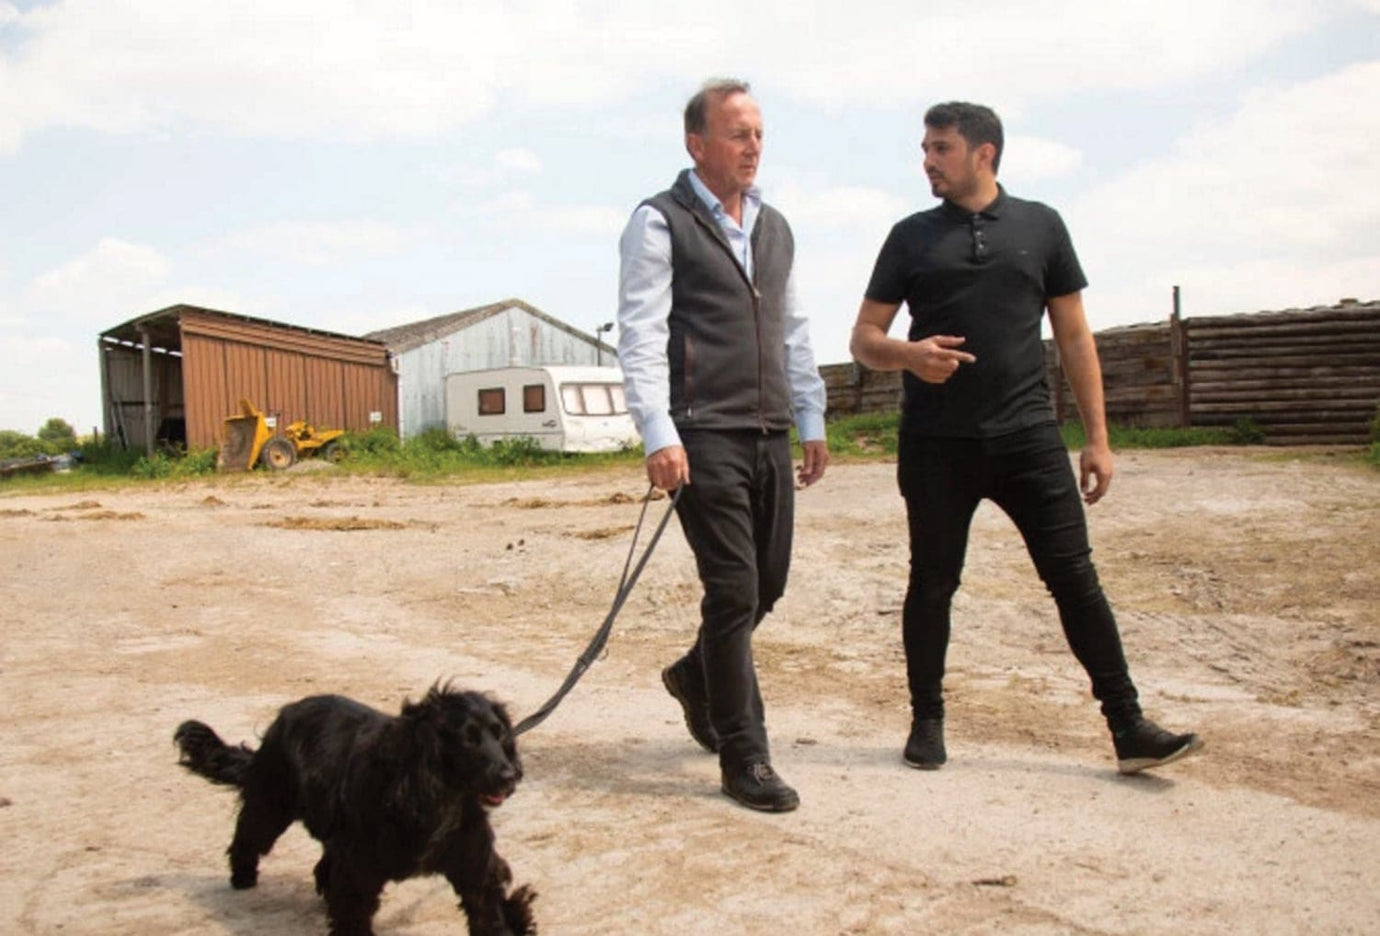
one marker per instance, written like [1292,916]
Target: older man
[718,364]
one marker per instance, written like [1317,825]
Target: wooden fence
[1304,376]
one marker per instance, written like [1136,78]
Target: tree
[18,445]
[58,433]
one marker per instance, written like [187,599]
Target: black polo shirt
[985,277]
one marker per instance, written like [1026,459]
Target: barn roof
[402,338]
[164,327]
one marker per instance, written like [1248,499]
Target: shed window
[492,402]
[534,398]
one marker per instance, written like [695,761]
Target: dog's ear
[501,711]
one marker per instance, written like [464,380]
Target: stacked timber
[1139,377]
[854,389]
[1305,376]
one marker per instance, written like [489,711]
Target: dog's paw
[517,911]
[244,878]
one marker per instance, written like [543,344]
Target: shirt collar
[712,202]
[991,212]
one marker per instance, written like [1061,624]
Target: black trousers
[738,515]
[1028,475]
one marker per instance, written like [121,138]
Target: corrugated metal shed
[500,334]
[179,372]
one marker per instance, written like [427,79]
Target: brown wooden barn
[174,375]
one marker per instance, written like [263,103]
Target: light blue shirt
[644,310]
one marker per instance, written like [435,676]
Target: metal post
[1178,344]
[147,357]
[599,342]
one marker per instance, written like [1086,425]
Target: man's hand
[816,460]
[668,468]
[936,358]
[1094,472]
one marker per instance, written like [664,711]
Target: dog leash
[601,637]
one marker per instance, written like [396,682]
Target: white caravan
[567,409]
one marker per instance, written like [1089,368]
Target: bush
[379,441]
[435,440]
[172,465]
[107,458]
[521,451]
[58,433]
[1247,432]
[18,445]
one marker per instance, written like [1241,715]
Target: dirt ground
[1247,584]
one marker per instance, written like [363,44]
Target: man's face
[950,163]
[727,152]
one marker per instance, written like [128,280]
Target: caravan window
[593,399]
[534,398]
[492,402]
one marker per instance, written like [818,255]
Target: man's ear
[985,153]
[694,145]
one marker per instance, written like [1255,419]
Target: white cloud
[590,220]
[807,203]
[1027,159]
[43,376]
[505,165]
[520,209]
[518,160]
[319,243]
[106,281]
[1276,200]
[363,71]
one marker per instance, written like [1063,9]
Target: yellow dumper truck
[251,439]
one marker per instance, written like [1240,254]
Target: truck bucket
[245,435]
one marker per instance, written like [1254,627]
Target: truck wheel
[332,451]
[278,454]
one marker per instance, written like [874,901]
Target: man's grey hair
[697,109]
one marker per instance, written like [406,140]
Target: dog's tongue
[493,799]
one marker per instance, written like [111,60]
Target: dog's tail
[205,754]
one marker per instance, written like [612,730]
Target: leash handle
[601,636]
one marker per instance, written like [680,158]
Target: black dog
[388,798]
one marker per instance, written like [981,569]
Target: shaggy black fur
[387,797]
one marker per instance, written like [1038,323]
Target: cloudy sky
[355,164]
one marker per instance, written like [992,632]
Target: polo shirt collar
[991,212]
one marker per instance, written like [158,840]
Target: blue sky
[352,165]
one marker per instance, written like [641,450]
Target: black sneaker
[925,746]
[695,707]
[756,786]
[1145,744]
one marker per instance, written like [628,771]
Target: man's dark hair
[975,123]
[697,109]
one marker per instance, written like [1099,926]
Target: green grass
[869,435]
[436,457]
[1134,437]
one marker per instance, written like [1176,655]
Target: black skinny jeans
[738,515]
[1028,475]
